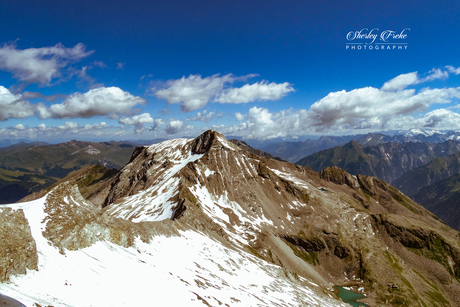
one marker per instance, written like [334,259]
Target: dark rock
[203,142]
[137,151]
[309,245]
[341,251]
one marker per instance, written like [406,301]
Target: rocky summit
[206,222]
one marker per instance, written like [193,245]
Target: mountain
[294,151]
[27,168]
[203,222]
[436,170]
[443,199]
[387,161]
[9,142]
[89,181]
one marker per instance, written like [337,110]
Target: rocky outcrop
[309,245]
[339,176]
[17,246]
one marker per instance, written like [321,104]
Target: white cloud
[401,82]
[138,122]
[453,70]
[100,126]
[13,106]
[436,73]
[43,132]
[174,126]
[69,126]
[120,65]
[239,116]
[20,127]
[204,116]
[39,65]
[364,104]
[103,101]
[368,108]
[404,80]
[194,92]
[257,91]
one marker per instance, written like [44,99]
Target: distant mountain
[443,199]
[438,169]
[7,142]
[386,161]
[243,145]
[27,168]
[294,151]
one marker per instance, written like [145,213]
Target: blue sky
[104,70]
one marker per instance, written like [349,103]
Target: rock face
[323,229]
[17,246]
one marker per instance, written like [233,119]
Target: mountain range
[387,161]
[207,222]
[294,151]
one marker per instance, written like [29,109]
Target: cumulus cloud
[239,116]
[391,107]
[354,107]
[39,65]
[138,122]
[194,92]
[257,91]
[20,127]
[204,116]
[103,101]
[13,106]
[174,126]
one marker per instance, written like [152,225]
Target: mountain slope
[387,161]
[26,168]
[438,169]
[443,199]
[217,225]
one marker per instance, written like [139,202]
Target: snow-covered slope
[186,269]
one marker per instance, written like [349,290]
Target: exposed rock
[309,245]
[137,151]
[17,246]
[339,176]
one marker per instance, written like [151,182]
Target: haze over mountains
[223,226]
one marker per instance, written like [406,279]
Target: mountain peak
[208,139]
